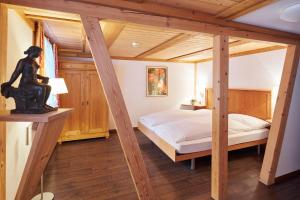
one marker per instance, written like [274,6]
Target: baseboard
[112,131]
[287,177]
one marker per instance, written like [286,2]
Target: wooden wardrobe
[85,94]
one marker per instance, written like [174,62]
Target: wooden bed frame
[251,102]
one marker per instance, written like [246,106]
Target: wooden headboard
[256,103]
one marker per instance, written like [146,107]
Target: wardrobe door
[97,108]
[73,99]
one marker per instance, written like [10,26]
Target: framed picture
[157,81]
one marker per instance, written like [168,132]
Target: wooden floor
[96,169]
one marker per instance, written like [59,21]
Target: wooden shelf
[48,128]
[6,116]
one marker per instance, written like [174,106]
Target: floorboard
[96,169]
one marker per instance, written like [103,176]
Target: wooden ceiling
[140,42]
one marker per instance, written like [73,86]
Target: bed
[186,134]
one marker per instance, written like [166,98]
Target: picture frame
[157,81]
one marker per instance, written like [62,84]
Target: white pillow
[249,121]
[237,126]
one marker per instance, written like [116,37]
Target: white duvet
[167,116]
[194,125]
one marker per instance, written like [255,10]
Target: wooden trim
[173,41]
[170,151]
[163,145]
[62,50]
[287,177]
[162,16]
[3,63]
[148,59]
[65,53]
[231,44]
[273,149]
[118,109]
[250,52]
[255,51]
[46,117]
[66,138]
[51,18]
[220,118]
[89,60]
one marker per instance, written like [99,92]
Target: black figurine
[31,95]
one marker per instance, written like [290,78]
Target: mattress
[205,143]
[167,116]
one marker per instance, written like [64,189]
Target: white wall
[263,71]
[19,39]
[257,71]
[132,79]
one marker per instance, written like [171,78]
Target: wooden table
[48,127]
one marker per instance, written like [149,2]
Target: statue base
[34,110]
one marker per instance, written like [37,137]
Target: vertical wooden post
[220,118]
[3,63]
[117,105]
[276,135]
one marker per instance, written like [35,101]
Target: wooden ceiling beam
[51,18]
[118,109]
[173,41]
[163,16]
[281,112]
[231,44]
[243,53]
[70,54]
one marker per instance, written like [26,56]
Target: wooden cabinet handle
[87,102]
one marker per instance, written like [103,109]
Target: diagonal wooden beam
[220,118]
[117,106]
[231,44]
[173,41]
[276,135]
[162,16]
[111,32]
